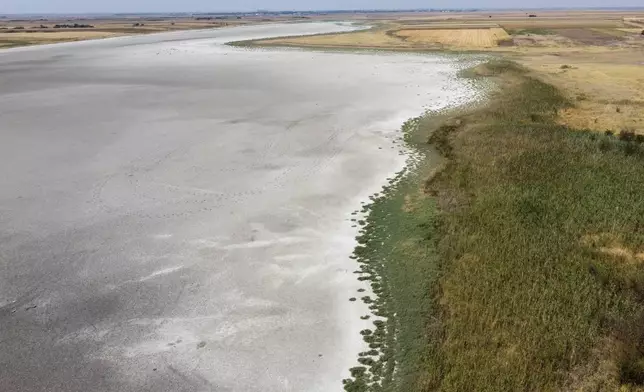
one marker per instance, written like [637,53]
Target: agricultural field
[503,32]
[459,37]
[375,38]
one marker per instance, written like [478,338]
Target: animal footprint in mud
[172,344]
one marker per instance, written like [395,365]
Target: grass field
[540,224]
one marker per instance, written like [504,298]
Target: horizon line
[339,10]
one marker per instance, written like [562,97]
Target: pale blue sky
[87,6]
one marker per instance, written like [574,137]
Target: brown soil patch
[588,36]
[561,23]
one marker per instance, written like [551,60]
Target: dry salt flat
[175,212]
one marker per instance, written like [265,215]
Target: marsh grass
[532,30]
[399,261]
[525,297]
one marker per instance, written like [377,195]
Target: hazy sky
[82,6]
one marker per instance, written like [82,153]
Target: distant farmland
[460,37]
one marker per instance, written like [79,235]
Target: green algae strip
[397,256]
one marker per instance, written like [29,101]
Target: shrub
[630,148]
[626,135]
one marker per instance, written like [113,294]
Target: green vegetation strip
[519,266]
[397,256]
[533,31]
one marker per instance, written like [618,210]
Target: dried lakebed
[175,213]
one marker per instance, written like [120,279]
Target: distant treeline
[73,26]
[215,17]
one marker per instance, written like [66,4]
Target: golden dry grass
[407,38]
[462,38]
[377,38]
[607,88]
